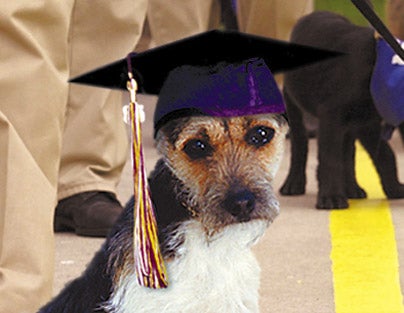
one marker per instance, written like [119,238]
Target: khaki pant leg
[271,18]
[176,19]
[33,88]
[95,142]
[395,17]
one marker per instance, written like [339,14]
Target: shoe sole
[63,224]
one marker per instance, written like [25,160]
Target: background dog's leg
[352,188]
[295,182]
[330,173]
[383,159]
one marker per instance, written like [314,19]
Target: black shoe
[91,213]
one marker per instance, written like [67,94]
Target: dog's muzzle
[240,203]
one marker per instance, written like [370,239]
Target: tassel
[149,263]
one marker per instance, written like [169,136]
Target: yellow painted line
[364,252]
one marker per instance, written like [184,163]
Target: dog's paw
[356,192]
[396,192]
[293,186]
[332,202]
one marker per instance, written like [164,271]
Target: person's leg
[95,143]
[271,18]
[33,87]
[178,19]
[395,17]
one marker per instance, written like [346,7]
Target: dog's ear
[164,187]
[170,131]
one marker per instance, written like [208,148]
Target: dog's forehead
[211,127]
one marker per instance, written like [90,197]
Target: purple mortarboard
[217,73]
[223,90]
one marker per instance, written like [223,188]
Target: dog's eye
[198,149]
[259,136]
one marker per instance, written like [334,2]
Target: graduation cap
[217,73]
[151,68]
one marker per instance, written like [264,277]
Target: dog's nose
[240,203]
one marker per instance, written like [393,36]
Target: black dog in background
[337,93]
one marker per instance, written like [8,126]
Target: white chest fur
[221,275]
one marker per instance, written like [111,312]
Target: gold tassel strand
[149,263]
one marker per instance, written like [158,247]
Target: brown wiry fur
[201,186]
[234,163]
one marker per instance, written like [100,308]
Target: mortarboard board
[151,68]
[217,73]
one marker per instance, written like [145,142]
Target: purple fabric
[387,84]
[226,90]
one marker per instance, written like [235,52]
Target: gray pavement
[294,254]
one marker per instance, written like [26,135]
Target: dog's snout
[240,203]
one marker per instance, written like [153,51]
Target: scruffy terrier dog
[337,92]
[213,197]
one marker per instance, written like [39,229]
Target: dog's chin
[243,234]
[257,221]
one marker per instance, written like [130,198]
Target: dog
[213,196]
[337,93]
